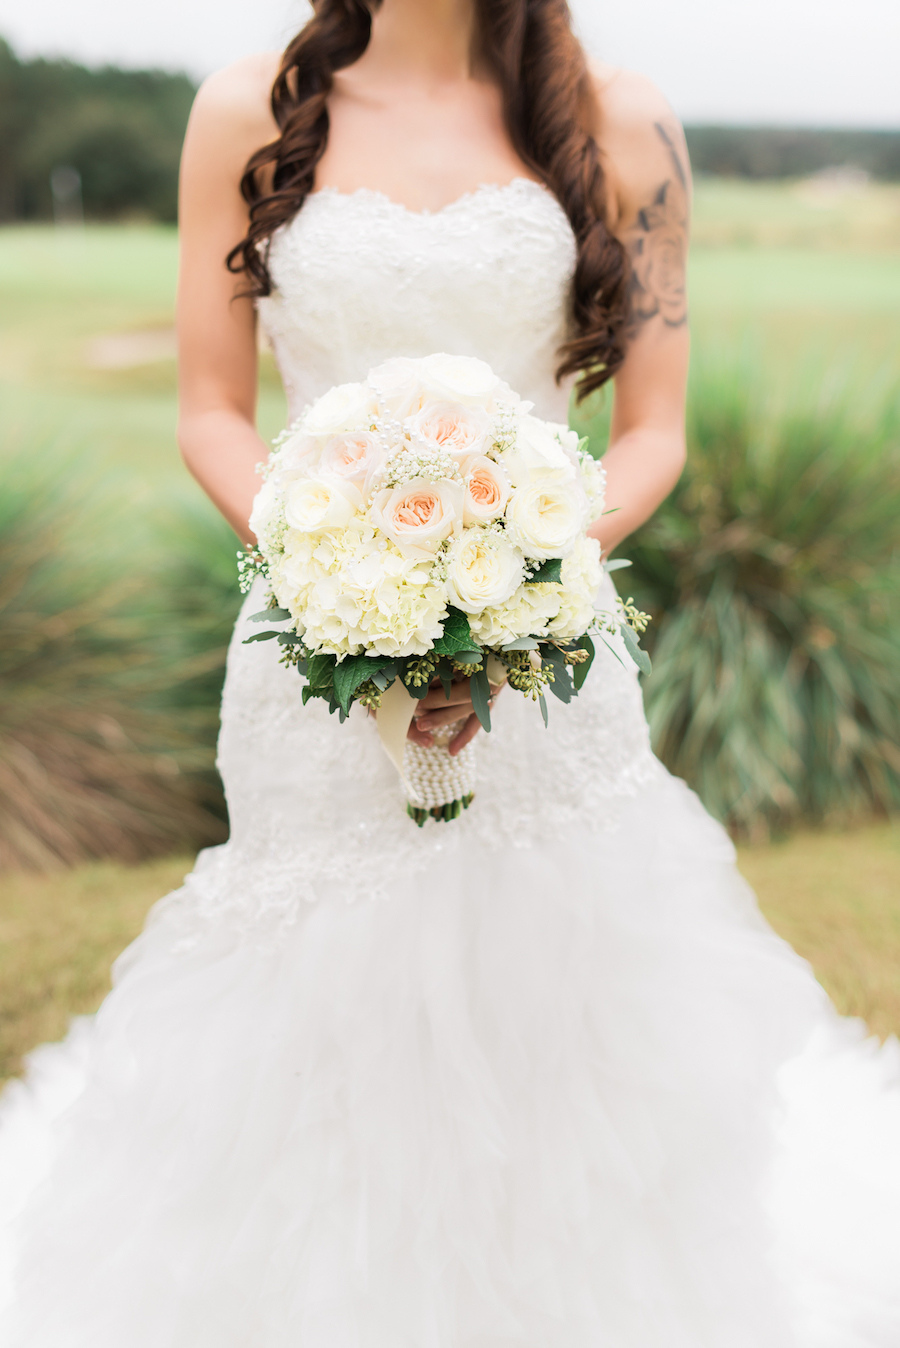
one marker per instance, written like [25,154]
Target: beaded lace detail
[317,811]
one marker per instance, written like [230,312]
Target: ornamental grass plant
[773,576]
[112,637]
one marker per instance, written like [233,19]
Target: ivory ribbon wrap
[396,713]
[393,721]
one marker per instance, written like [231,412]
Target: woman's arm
[216,328]
[646,161]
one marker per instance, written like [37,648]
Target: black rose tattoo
[657,248]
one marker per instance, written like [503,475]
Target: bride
[538,1078]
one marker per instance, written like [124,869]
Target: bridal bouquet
[424,526]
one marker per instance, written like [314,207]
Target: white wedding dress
[541,1077]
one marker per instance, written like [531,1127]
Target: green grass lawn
[834,897]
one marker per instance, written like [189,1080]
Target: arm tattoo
[657,248]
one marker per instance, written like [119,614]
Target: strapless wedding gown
[538,1078]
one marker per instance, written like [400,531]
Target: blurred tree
[122,130]
[791,152]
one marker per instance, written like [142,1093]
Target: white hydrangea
[527,613]
[581,577]
[351,590]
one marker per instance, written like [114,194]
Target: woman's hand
[436,709]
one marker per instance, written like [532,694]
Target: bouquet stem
[440,786]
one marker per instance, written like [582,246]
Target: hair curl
[550,111]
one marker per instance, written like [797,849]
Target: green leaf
[640,658]
[467,657]
[562,686]
[523,644]
[348,675]
[616,564]
[321,672]
[259,636]
[271,615]
[445,674]
[542,703]
[548,573]
[583,444]
[357,669]
[580,672]
[456,635]
[289,639]
[480,688]
[613,650]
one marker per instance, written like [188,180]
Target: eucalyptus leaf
[613,650]
[562,686]
[542,703]
[467,657]
[580,672]
[289,639]
[640,657]
[445,674]
[617,564]
[271,615]
[480,689]
[523,644]
[259,636]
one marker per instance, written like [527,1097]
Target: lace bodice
[316,809]
[360,278]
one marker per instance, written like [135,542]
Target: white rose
[419,515]
[460,379]
[460,430]
[397,385]
[350,455]
[593,479]
[265,508]
[312,503]
[482,571]
[537,452]
[487,490]
[298,450]
[346,407]
[546,518]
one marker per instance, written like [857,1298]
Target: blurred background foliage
[122,131]
[771,574]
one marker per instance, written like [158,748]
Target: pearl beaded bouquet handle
[423,526]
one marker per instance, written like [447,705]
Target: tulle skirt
[574,1097]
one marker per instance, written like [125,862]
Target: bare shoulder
[646,162]
[232,106]
[639,136]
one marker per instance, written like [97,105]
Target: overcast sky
[821,62]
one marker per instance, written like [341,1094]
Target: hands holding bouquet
[424,527]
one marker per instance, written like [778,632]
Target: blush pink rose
[461,431]
[419,515]
[487,490]
[349,456]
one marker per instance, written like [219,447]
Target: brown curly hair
[550,111]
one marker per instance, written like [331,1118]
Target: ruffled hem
[579,1097]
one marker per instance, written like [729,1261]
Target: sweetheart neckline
[483,189]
